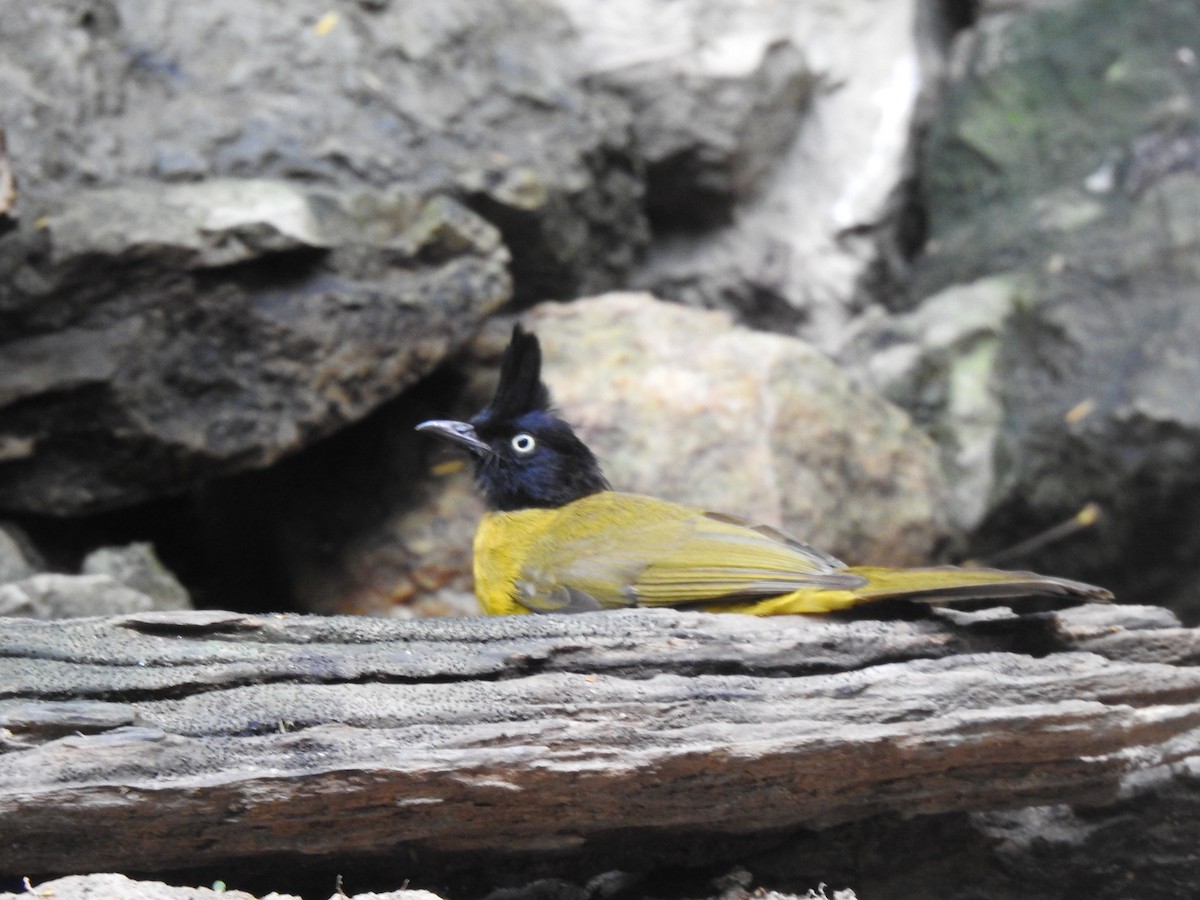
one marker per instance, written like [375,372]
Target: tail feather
[949,584]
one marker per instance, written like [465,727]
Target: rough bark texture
[160,741]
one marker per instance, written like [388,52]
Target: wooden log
[160,741]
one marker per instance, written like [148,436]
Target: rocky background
[914,280]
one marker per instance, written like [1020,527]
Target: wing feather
[628,550]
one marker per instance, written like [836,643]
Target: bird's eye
[523,443]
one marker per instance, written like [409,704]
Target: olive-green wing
[620,550]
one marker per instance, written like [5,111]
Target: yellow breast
[502,544]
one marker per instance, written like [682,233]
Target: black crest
[525,455]
[520,389]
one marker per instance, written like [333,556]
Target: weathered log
[160,741]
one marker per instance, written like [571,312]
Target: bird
[556,538]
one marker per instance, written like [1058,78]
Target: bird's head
[525,455]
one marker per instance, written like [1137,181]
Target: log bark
[159,741]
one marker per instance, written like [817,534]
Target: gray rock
[202,292]
[1100,400]
[137,566]
[710,135]
[940,363]
[439,95]
[166,335]
[1056,349]
[822,234]
[1033,150]
[18,559]
[54,596]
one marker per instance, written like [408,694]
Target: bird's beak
[461,433]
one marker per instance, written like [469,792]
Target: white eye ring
[524,443]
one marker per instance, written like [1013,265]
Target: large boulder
[826,224]
[717,91]
[204,290]
[243,228]
[482,100]
[1055,349]
[161,335]
[942,362]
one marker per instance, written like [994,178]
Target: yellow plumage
[612,550]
